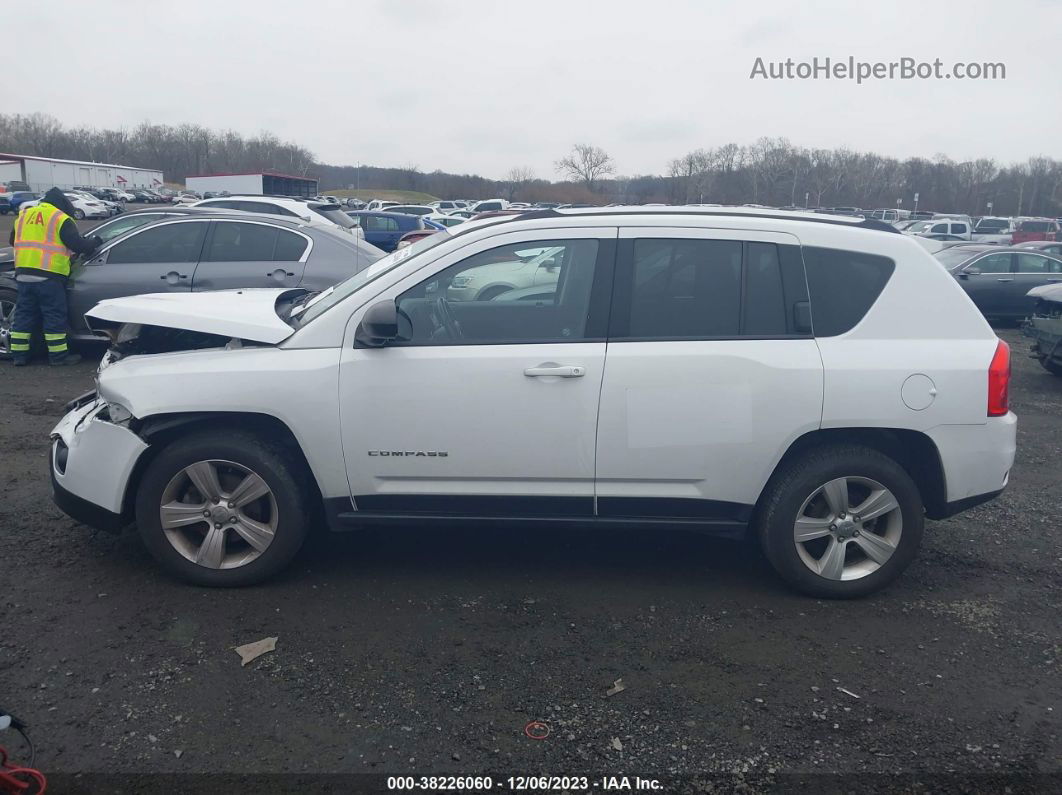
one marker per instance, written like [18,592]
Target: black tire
[79,214]
[1054,368]
[287,480]
[798,479]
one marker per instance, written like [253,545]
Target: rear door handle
[1004,280]
[556,370]
[173,276]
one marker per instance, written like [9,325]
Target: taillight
[999,381]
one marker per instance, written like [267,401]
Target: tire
[285,507]
[1054,368]
[8,299]
[798,489]
[79,214]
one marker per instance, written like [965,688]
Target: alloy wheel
[218,514]
[848,528]
[7,314]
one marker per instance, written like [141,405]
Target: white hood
[1048,292]
[245,314]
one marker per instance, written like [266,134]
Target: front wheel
[222,508]
[841,521]
[8,299]
[79,215]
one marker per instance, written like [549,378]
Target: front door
[711,371]
[158,259]
[987,280]
[251,254]
[489,405]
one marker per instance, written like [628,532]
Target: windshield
[919,226]
[336,215]
[952,258]
[992,225]
[324,301]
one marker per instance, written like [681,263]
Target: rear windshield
[335,214]
[1037,226]
[992,225]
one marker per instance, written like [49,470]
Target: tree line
[769,171]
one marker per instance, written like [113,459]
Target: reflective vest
[37,243]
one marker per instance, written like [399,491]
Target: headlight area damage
[1045,327]
[170,322]
[97,445]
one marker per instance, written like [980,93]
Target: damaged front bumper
[91,462]
[1045,330]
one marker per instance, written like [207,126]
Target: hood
[241,314]
[58,200]
[1047,292]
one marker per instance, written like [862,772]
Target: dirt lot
[416,652]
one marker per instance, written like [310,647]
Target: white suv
[820,383]
[322,212]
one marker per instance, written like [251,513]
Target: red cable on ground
[15,780]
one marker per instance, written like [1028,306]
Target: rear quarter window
[843,285]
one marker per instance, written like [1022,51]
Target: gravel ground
[420,652]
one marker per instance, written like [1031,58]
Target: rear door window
[1034,263]
[843,285]
[236,242]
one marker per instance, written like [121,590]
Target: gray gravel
[427,652]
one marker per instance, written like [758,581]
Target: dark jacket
[68,233]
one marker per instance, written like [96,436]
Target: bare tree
[517,178]
[586,164]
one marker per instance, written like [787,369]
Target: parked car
[17,199]
[444,207]
[991,229]
[956,228]
[888,215]
[5,204]
[466,214]
[355,204]
[1032,229]
[208,251]
[14,186]
[443,219]
[1051,248]
[385,229]
[998,279]
[185,198]
[678,385]
[490,205]
[411,209]
[1045,327]
[380,204]
[287,206]
[123,195]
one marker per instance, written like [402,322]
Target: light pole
[916,202]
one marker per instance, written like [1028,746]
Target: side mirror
[973,270]
[378,326]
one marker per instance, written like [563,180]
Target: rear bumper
[977,460]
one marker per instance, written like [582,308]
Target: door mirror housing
[378,326]
[973,270]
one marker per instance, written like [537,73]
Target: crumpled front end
[92,458]
[1045,326]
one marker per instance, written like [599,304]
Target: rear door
[987,280]
[1030,270]
[251,254]
[711,371]
[160,258]
[382,231]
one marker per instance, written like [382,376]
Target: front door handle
[173,276]
[280,273]
[1004,280]
[555,370]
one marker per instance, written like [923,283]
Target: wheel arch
[913,450]
[161,429]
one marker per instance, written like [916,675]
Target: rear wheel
[79,214]
[7,314]
[222,508]
[1054,368]
[841,521]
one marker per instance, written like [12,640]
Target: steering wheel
[446,318]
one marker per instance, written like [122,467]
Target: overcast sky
[480,87]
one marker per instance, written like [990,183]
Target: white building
[267,183]
[41,173]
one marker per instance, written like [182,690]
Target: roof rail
[866,223]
